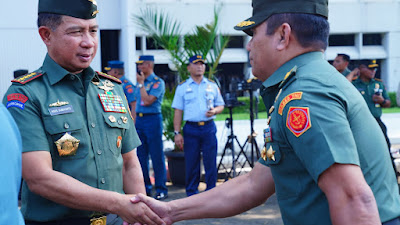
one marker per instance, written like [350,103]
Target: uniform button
[66,125]
[103,181]
[99,152]
[119,122]
[93,125]
[72,77]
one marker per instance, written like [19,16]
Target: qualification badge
[67,145]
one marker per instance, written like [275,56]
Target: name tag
[61,110]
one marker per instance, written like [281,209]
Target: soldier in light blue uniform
[116,68]
[149,95]
[200,100]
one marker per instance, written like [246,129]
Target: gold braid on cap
[245,23]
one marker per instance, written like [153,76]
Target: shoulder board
[27,77]
[289,75]
[156,78]
[355,78]
[183,81]
[109,77]
[377,79]
[212,81]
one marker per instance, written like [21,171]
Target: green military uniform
[317,118]
[50,103]
[346,72]
[367,90]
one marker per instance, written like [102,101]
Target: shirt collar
[298,61]
[55,72]
[204,80]
[151,77]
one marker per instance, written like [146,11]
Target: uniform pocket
[57,126]
[118,123]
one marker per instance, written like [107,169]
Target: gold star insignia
[270,154]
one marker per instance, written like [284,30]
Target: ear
[283,32]
[45,34]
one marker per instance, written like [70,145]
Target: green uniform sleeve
[29,120]
[327,139]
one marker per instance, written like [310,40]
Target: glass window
[235,42]
[372,39]
[341,40]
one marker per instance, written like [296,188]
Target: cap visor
[247,25]
[198,60]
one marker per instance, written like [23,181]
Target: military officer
[78,139]
[375,95]
[341,63]
[322,157]
[198,99]
[149,95]
[116,68]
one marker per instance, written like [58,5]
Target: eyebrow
[81,27]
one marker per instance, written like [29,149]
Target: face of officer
[264,51]
[196,69]
[73,44]
[340,64]
[366,73]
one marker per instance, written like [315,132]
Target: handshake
[146,210]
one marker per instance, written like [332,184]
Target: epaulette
[27,77]
[156,78]
[377,79]
[288,76]
[183,82]
[212,81]
[109,77]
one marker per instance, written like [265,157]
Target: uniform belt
[146,114]
[98,220]
[200,123]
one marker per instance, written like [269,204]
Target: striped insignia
[109,77]
[26,78]
[287,99]
[298,120]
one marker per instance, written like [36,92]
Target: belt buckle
[99,221]
[201,123]
[140,114]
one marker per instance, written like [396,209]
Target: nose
[248,46]
[88,41]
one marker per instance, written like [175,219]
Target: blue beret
[143,58]
[115,64]
[196,58]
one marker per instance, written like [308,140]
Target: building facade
[363,29]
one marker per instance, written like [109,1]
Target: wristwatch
[177,132]
[140,85]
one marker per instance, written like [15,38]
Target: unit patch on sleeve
[287,99]
[16,100]
[298,120]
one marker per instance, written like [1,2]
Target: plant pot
[176,166]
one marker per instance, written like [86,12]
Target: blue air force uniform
[150,130]
[199,131]
[129,89]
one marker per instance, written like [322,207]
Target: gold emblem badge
[264,153]
[107,86]
[67,145]
[99,221]
[112,119]
[245,23]
[270,154]
[119,141]
[124,119]
[58,104]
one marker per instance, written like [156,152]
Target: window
[235,42]
[151,44]
[341,40]
[138,43]
[372,39]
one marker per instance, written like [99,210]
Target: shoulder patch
[287,99]
[27,77]
[298,120]
[109,77]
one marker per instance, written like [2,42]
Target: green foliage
[392,96]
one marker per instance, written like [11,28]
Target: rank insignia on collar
[67,145]
[58,104]
[298,120]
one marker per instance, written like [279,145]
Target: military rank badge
[112,103]
[267,135]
